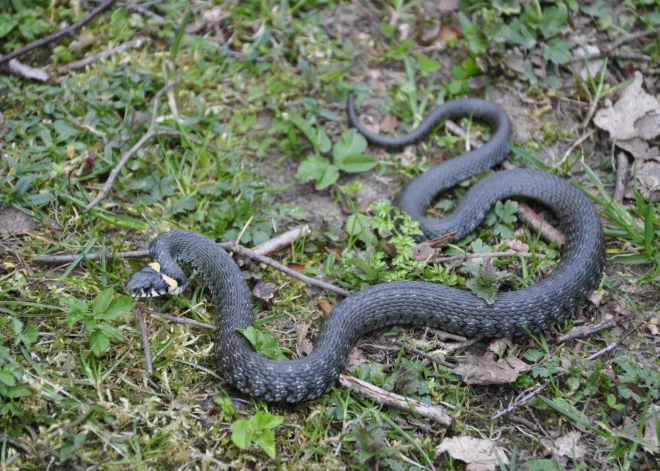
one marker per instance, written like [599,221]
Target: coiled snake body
[418,303]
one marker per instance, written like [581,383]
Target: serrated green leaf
[426,65]
[330,176]
[111,331]
[103,300]
[503,230]
[7,378]
[265,420]
[356,223]
[557,51]
[29,335]
[553,20]
[357,163]
[251,334]
[117,307]
[99,342]
[17,391]
[16,326]
[6,25]
[266,440]
[351,143]
[313,168]
[241,435]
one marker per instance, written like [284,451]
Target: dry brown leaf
[648,181]
[335,251]
[448,32]
[303,347]
[263,291]
[389,123]
[355,359]
[297,267]
[15,221]
[518,245]
[325,306]
[477,453]
[636,115]
[596,297]
[423,252]
[651,429]
[564,448]
[476,370]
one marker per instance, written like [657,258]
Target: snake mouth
[150,282]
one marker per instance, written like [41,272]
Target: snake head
[151,282]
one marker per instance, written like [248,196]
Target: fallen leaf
[517,245]
[304,347]
[593,65]
[447,5]
[476,370]
[15,221]
[297,267]
[448,32]
[389,123]
[208,20]
[635,116]
[595,297]
[335,251]
[355,358]
[325,306]
[499,346]
[568,446]
[263,291]
[477,453]
[423,252]
[430,34]
[648,181]
[651,429]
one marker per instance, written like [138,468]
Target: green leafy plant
[486,280]
[264,343]
[502,217]
[105,307]
[346,154]
[257,430]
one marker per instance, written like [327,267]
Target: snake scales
[418,303]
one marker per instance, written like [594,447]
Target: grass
[276,152]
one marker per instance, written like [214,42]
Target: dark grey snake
[418,303]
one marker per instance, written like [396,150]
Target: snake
[418,303]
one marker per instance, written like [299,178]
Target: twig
[144,335]
[621,176]
[631,37]
[622,56]
[586,330]
[423,354]
[134,44]
[19,69]
[61,33]
[390,399]
[151,131]
[540,388]
[508,253]
[282,241]
[578,141]
[524,422]
[278,266]
[538,424]
[178,320]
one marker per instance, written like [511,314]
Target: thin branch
[621,176]
[19,69]
[579,140]
[292,273]
[423,354]
[151,131]
[622,56]
[144,335]
[134,44]
[508,253]
[61,33]
[540,388]
[178,320]
[391,399]
[631,37]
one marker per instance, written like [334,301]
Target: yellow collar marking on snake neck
[155,266]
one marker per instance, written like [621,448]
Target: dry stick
[145,341]
[178,320]
[631,37]
[134,44]
[61,33]
[151,131]
[621,176]
[19,69]
[240,250]
[577,142]
[527,397]
[508,253]
[524,422]
[422,353]
[587,330]
[390,399]
[623,56]
[525,213]
[282,241]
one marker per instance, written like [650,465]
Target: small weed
[257,430]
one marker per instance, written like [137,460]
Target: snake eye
[146,288]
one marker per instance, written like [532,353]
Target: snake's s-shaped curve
[418,303]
